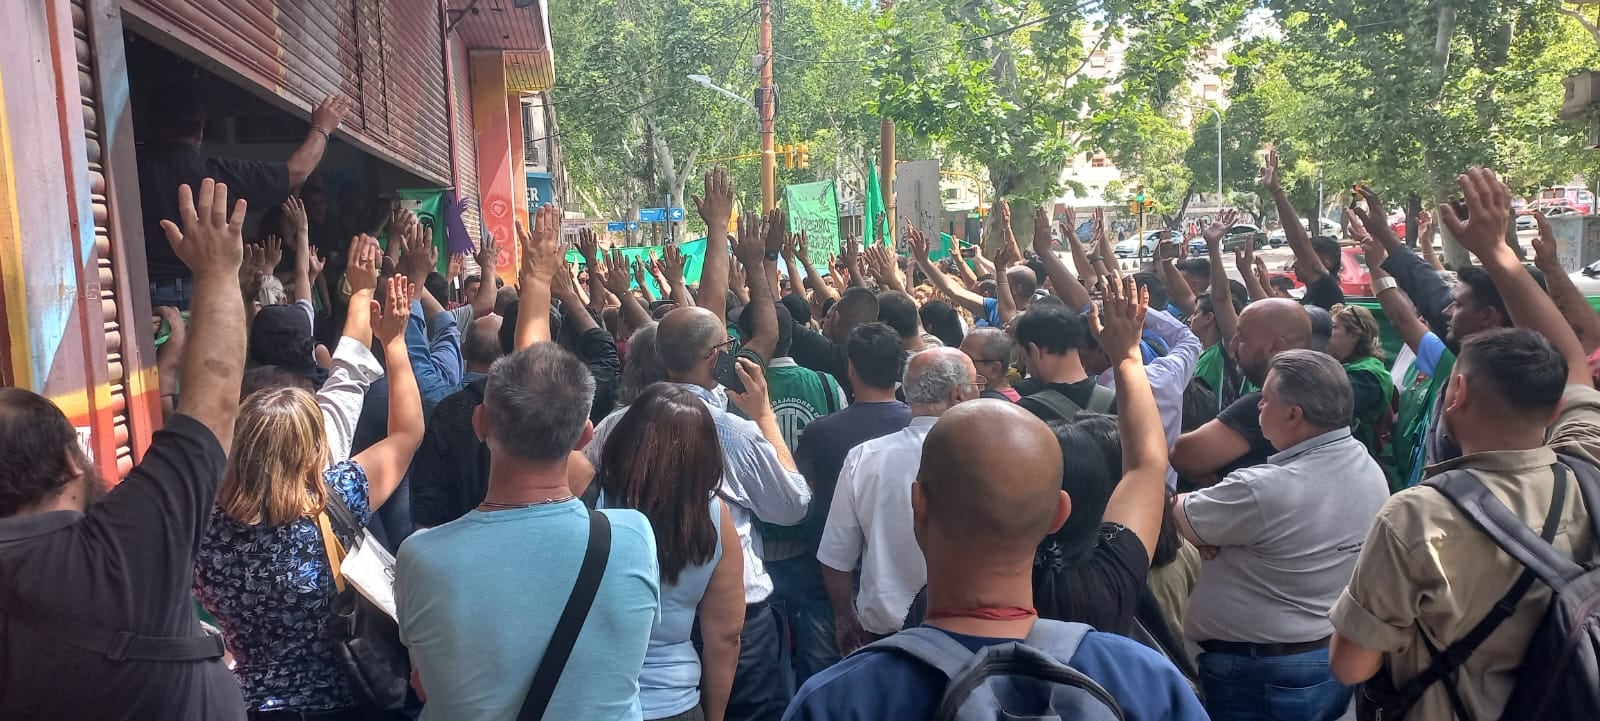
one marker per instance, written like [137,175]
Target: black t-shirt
[1244,417]
[162,168]
[826,441]
[125,565]
[1323,292]
[1079,393]
[1102,589]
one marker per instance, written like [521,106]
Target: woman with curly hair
[1357,343]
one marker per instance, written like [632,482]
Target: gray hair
[932,376]
[269,290]
[643,366]
[538,401]
[1316,383]
[995,343]
[681,352]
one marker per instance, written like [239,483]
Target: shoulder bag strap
[1102,400]
[830,397]
[1457,486]
[332,550]
[114,645]
[1057,402]
[1508,531]
[556,653]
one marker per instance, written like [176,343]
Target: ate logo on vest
[794,414]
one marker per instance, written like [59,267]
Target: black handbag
[366,641]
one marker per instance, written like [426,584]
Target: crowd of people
[877,486]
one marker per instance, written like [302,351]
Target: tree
[1002,83]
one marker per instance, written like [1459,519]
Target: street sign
[616,227]
[652,215]
[675,215]
[633,226]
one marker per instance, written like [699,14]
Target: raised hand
[776,231]
[1546,252]
[541,249]
[851,253]
[295,224]
[330,112]
[1042,242]
[1374,219]
[1488,204]
[916,242]
[750,247]
[418,258]
[803,249]
[615,275]
[717,204]
[563,286]
[1219,227]
[252,260]
[274,255]
[1269,169]
[315,262]
[588,246]
[210,241]
[396,311]
[672,262]
[1124,311]
[362,270]
[487,256]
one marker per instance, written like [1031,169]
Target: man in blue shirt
[989,491]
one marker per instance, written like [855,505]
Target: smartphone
[727,372]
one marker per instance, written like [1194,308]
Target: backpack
[1026,679]
[1560,675]
[1102,400]
[1559,679]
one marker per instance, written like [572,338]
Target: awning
[523,33]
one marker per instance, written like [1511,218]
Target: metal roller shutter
[301,50]
[466,139]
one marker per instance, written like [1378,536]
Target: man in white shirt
[869,524]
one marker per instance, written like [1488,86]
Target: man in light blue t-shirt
[479,597]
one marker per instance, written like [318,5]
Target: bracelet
[1383,283]
[325,134]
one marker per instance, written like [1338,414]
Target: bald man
[759,480]
[987,492]
[1233,439]
[869,521]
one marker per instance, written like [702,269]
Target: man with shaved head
[980,509]
[869,523]
[1233,439]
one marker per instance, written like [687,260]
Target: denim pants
[802,601]
[759,692]
[1299,687]
[173,293]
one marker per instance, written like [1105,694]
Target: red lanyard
[984,613]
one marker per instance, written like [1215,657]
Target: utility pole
[768,108]
[885,166]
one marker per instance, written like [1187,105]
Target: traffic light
[783,155]
[1149,205]
[803,159]
[1133,207]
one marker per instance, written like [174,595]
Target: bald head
[1266,328]
[990,478]
[686,338]
[481,346]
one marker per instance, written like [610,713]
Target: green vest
[798,396]
[1416,416]
[1368,429]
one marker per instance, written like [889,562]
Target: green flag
[428,205]
[814,208]
[872,228]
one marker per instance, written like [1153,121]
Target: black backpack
[1560,675]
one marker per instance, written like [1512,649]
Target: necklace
[546,502]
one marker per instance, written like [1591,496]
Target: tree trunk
[1413,213]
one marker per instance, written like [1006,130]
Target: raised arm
[386,461]
[715,209]
[1396,305]
[881,263]
[614,275]
[1137,503]
[1221,289]
[1307,263]
[917,243]
[1178,290]
[1065,281]
[1244,259]
[819,286]
[1483,234]
[324,120]
[299,231]
[487,257]
[1104,258]
[1080,254]
[756,237]
[541,260]
[969,279]
[1568,299]
[1418,278]
[852,260]
[589,248]
[672,262]
[211,243]
[1005,303]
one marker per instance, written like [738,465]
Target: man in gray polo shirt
[1282,539]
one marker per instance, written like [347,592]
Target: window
[1210,92]
[1097,59]
[1099,160]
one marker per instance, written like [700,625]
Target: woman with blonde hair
[263,570]
[1358,344]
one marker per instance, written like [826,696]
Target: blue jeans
[801,599]
[1272,688]
[758,692]
[173,293]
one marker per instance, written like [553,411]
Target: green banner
[814,209]
[874,213]
[694,259]
[428,205]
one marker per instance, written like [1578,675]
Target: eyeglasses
[723,345]
[980,384]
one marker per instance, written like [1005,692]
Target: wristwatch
[772,255]
[1382,284]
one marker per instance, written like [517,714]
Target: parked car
[1131,247]
[1235,236]
[1278,238]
